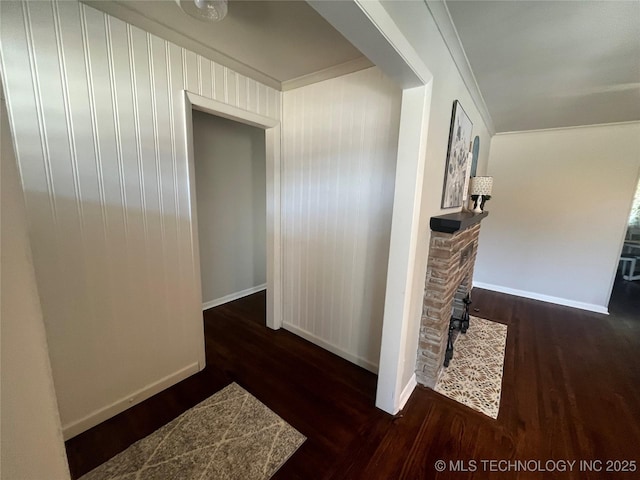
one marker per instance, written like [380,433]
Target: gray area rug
[474,376]
[230,435]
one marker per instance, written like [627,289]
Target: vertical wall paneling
[191,70]
[231,87]
[206,81]
[339,151]
[261,98]
[219,84]
[172,58]
[97,110]
[78,241]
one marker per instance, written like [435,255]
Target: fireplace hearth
[447,295]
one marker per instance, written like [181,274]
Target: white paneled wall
[339,154]
[96,108]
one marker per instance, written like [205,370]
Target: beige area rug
[230,435]
[474,375]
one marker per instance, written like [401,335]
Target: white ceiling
[547,64]
[272,41]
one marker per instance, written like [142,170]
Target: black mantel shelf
[454,222]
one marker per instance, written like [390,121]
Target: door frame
[271,127]
[368,26]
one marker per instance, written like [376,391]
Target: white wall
[97,112]
[559,211]
[31,440]
[230,168]
[339,149]
[416,23]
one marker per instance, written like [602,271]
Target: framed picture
[457,157]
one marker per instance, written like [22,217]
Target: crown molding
[444,22]
[571,127]
[125,13]
[334,71]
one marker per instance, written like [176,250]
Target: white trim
[275,291]
[407,391]
[271,127]
[361,362]
[553,129]
[339,70]
[382,21]
[368,26]
[405,223]
[449,34]
[233,296]
[220,109]
[72,429]
[544,298]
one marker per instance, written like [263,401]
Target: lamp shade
[481,186]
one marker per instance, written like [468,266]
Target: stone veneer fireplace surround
[452,253]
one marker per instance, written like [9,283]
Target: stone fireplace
[452,254]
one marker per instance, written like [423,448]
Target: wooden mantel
[454,222]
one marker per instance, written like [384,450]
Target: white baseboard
[407,391]
[361,362]
[544,298]
[233,296]
[74,428]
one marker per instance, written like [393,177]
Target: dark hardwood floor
[571,391]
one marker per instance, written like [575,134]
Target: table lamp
[480,191]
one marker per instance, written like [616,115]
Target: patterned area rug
[230,435]
[474,375]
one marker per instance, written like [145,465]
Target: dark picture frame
[460,138]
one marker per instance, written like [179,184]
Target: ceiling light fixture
[205,10]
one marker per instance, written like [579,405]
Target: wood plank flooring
[571,391]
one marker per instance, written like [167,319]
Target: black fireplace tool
[457,324]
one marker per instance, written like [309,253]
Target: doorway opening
[231,200]
[625,296]
[209,285]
